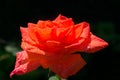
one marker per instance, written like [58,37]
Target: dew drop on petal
[88,47]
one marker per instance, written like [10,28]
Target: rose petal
[60,18]
[78,47]
[96,44]
[28,44]
[58,34]
[25,35]
[53,46]
[63,21]
[32,48]
[85,29]
[32,29]
[78,33]
[39,34]
[90,45]
[44,24]
[26,62]
[43,34]
[68,65]
[81,38]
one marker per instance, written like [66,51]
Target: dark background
[103,16]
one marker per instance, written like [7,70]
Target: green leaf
[53,78]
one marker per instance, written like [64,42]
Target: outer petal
[90,45]
[68,65]
[26,62]
[28,44]
[25,35]
[95,44]
[32,48]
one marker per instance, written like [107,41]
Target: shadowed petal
[68,65]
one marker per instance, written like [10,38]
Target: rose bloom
[52,44]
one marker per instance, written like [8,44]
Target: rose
[51,44]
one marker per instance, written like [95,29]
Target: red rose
[51,44]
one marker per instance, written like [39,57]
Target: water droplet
[88,47]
